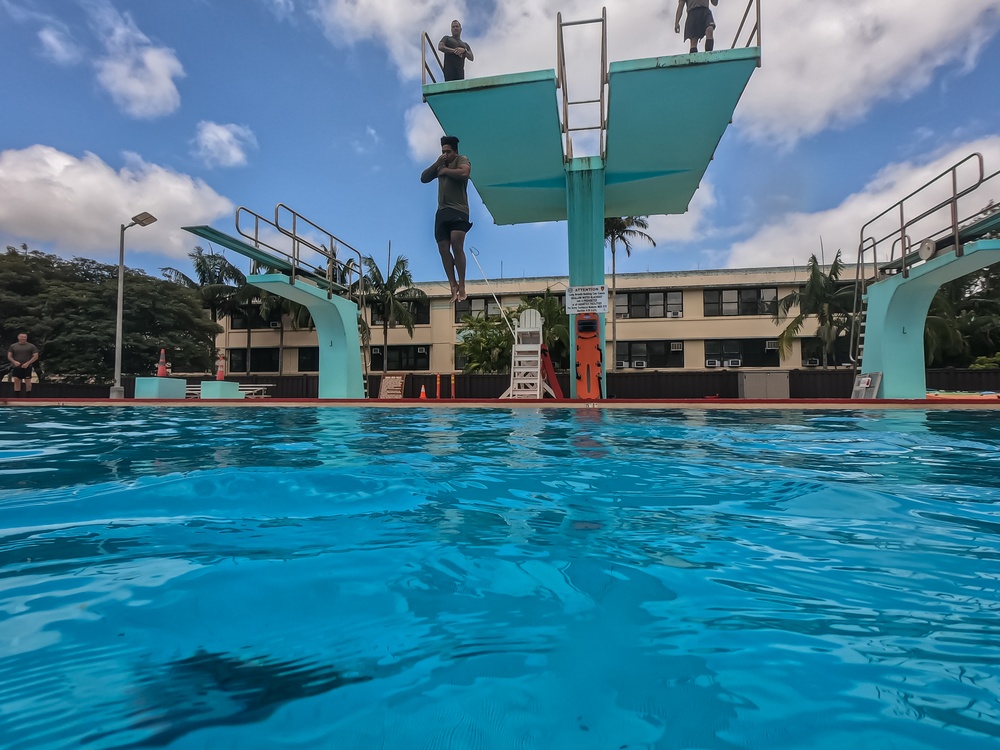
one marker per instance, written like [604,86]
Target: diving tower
[296,259]
[892,297]
[660,122]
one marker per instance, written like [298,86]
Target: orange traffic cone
[220,373]
[423,392]
[161,367]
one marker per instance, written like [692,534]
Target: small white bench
[256,390]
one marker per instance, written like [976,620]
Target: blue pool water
[551,579]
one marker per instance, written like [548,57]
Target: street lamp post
[143,220]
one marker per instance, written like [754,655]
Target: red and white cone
[220,373]
[161,367]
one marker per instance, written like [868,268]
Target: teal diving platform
[666,116]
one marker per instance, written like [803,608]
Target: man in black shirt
[456,52]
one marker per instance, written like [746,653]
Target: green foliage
[824,298]
[986,363]
[221,285]
[67,308]
[963,322]
[390,299]
[486,343]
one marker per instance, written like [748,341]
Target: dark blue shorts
[448,220]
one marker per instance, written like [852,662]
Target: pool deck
[931,404]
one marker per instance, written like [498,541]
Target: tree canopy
[67,308]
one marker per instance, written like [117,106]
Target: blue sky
[189,108]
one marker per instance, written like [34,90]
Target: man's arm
[34,358]
[430,174]
[442,47]
[677,18]
[468,53]
[10,358]
[461,172]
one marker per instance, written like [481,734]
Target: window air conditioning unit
[621,316]
[810,363]
[376,350]
[712,363]
[770,346]
[639,364]
[733,363]
[421,350]
[675,314]
[275,324]
[676,346]
[621,364]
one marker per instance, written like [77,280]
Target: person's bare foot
[454,293]
[461,294]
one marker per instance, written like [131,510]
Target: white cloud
[792,238]
[58,46]
[77,204]
[281,8]
[223,145]
[423,134]
[138,75]
[368,143]
[826,63]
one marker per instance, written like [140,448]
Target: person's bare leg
[710,39]
[17,384]
[458,247]
[449,267]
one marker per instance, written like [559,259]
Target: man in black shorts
[451,221]
[22,356]
[700,22]
[455,52]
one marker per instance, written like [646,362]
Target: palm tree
[622,230]
[824,298]
[217,280]
[390,299]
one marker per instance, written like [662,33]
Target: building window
[308,359]
[264,359]
[745,301]
[658,304]
[641,354]
[748,352]
[406,358]
[237,360]
[420,309]
[476,307]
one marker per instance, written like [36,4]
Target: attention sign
[586,299]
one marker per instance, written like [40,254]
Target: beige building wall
[693,329]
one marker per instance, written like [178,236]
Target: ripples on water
[337,578]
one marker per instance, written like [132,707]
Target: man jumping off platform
[700,23]
[451,221]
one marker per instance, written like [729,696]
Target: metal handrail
[425,69]
[330,252]
[297,263]
[753,35]
[901,237]
[601,101]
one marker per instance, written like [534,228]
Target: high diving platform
[659,122]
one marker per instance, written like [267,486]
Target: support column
[585,210]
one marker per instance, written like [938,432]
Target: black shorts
[21,373]
[448,220]
[697,23]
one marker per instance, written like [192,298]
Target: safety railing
[748,34]
[426,71]
[901,255]
[561,84]
[294,226]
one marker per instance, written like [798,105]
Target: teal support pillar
[897,313]
[336,320]
[585,215]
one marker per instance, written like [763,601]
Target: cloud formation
[281,8]
[58,46]
[77,204]
[791,238]
[139,76]
[826,62]
[223,145]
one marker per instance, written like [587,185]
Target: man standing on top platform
[700,23]
[451,221]
[456,52]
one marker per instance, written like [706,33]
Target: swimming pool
[489,578]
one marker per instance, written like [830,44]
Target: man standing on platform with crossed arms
[700,23]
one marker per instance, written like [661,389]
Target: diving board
[897,312]
[666,116]
[508,126]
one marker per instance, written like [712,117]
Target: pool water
[469,578]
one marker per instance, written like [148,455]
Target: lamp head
[144,219]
